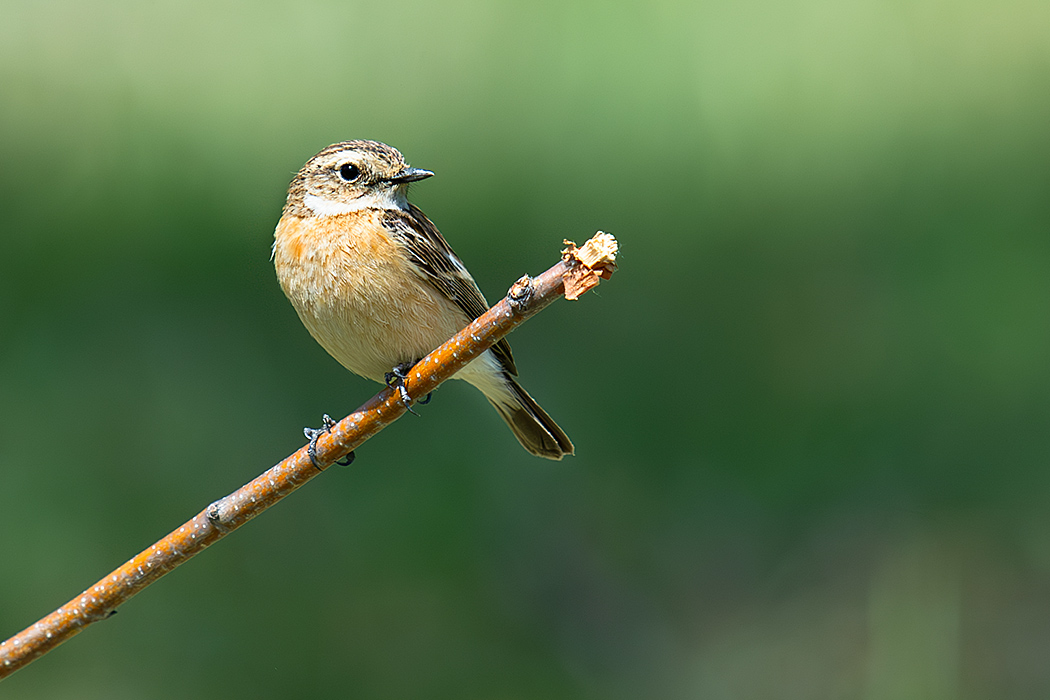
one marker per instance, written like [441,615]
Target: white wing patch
[459,267]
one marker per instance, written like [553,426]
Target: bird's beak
[410,175]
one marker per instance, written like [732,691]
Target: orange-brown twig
[528,296]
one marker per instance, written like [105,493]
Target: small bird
[378,286]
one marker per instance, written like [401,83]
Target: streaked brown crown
[325,175]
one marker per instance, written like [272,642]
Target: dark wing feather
[433,256]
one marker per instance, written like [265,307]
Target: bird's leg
[313,433]
[395,379]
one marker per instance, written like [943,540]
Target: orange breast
[357,293]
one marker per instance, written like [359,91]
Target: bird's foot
[313,433]
[395,379]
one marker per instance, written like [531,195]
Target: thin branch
[579,269]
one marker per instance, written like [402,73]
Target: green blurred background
[811,410]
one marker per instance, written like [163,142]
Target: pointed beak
[410,175]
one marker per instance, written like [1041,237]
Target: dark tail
[535,430]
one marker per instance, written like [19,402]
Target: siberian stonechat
[378,286]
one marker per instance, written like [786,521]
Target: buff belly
[363,301]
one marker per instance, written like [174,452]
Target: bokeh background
[811,410]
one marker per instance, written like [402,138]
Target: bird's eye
[349,172]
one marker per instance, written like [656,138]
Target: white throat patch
[392,198]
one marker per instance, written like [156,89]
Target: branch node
[214,515]
[100,615]
[520,294]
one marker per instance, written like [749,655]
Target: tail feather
[535,430]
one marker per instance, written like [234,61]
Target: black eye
[349,172]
